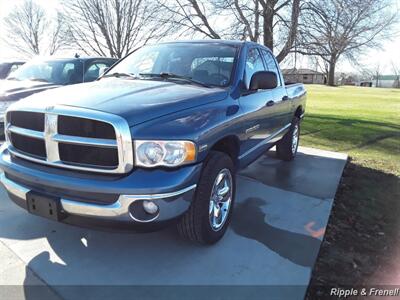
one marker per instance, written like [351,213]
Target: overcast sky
[385,57]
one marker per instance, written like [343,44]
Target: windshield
[52,71]
[207,63]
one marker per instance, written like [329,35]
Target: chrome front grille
[70,137]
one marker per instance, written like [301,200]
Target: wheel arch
[229,145]
[299,111]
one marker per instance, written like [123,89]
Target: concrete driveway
[279,222]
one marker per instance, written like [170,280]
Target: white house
[303,76]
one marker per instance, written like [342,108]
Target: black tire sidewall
[284,146]
[295,122]
[216,162]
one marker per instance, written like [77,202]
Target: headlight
[164,153]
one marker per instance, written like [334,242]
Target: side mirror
[263,80]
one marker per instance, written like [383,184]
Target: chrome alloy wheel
[295,138]
[221,199]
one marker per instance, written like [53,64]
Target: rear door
[282,105]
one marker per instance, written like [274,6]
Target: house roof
[301,72]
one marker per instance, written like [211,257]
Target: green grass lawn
[363,122]
[363,235]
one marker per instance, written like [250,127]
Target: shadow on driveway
[249,221]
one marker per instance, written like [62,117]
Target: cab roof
[216,41]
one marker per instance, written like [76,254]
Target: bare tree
[396,73]
[335,28]
[31,32]
[373,73]
[25,27]
[111,27]
[319,64]
[58,35]
[272,22]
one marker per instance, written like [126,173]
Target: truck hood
[137,101]
[13,90]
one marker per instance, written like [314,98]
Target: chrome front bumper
[118,210]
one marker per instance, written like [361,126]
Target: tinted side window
[93,72]
[271,64]
[14,68]
[69,74]
[68,68]
[254,64]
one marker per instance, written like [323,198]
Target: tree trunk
[292,35]
[268,21]
[331,73]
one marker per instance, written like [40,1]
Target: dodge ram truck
[157,139]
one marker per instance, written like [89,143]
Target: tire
[286,148]
[197,223]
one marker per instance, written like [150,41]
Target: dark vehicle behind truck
[42,74]
[157,139]
[7,67]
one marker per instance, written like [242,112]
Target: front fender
[204,125]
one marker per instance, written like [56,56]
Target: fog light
[150,207]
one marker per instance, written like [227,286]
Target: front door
[258,121]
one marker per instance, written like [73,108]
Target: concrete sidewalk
[279,222]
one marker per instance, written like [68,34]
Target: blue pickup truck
[158,138]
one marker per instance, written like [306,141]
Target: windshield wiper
[166,75]
[13,78]
[118,74]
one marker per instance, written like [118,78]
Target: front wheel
[209,214]
[286,148]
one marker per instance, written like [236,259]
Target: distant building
[304,76]
[386,81]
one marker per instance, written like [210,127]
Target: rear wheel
[209,214]
[286,148]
